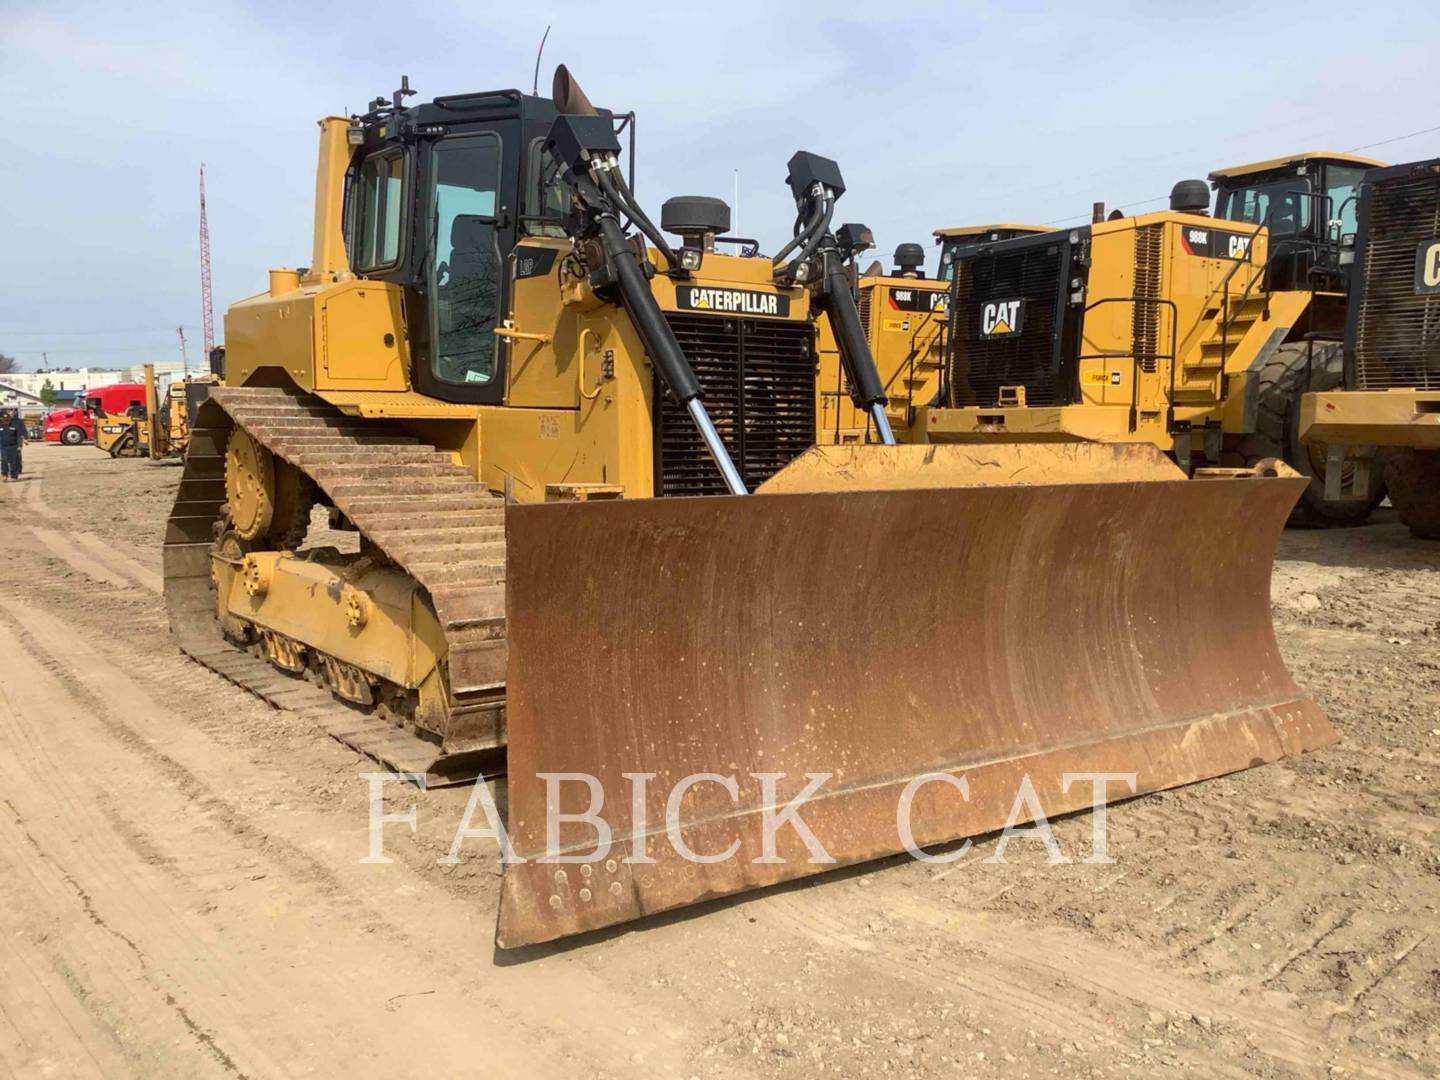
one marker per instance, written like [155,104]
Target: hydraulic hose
[614,185]
[804,230]
[660,345]
[827,211]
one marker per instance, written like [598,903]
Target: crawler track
[425,513]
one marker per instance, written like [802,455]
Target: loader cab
[436,198]
[1308,202]
[951,241]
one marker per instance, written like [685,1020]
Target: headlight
[690,258]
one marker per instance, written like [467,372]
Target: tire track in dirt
[84,551]
[535,998]
[1061,984]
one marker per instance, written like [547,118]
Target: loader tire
[1291,372]
[1413,478]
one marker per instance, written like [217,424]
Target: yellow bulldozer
[579,533]
[1198,334]
[1386,417]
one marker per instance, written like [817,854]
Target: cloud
[938,113]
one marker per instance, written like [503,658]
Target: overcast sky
[938,114]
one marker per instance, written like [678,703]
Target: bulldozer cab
[1308,203]
[437,195]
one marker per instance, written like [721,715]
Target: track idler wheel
[269,498]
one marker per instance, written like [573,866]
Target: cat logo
[921,300]
[1215,243]
[1001,318]
[1427,268]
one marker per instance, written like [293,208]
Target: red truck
[77,425]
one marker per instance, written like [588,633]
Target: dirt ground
[181,893]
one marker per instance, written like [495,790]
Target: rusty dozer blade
[876,615]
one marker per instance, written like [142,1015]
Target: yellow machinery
[904,317]
[903,313]
[1387,416]
[951,240]
[1194,333]
[132,434]
[507,396]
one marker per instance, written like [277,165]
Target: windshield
[465,258]
[1281,203]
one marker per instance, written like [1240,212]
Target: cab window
[377,209]
[1280,203]
[544,193]
[1342,184]
[464,270]
[947,262]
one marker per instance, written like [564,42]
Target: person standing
[12,438]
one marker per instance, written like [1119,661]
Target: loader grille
[759,381]
[1034,273]
[1396,328]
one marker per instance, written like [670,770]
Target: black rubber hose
[813,244]
[614,185]
[803,233]
[639,303]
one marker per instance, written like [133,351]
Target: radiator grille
[1397,330]
[980,366]
[759,383]
[1145,317]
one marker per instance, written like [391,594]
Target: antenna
[206,306]
[184,357]
[735,228]
[535,84]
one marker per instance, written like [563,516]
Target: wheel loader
[134,434]
[1386,418]
[903,314]
[580,534]
[1195,333]
[904,317]
[951,240]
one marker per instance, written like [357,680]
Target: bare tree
[8,364]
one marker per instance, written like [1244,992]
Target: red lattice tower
[209,309]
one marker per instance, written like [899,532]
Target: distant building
[27,404]
[30,382]
[164,370]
